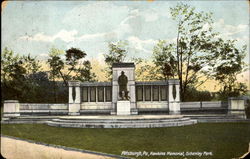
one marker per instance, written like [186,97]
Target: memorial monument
[123,86]
[121,99]
[123,91]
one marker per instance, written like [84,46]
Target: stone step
[213,116]
[222,120]
[118,120]
[121,125]
[20,120]
[24,122]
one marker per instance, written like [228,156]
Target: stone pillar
[74,98]
[236,106]
[115,90]
[129,71]
[174,96]
[11,108]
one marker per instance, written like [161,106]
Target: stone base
[74,113]
[123,108]
[74,109]
[11,114]
[239,113]
[112,113]
[174,112]
[174,108]
[134,112]
[11,108]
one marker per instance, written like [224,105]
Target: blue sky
[34,27]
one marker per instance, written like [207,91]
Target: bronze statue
[123,81]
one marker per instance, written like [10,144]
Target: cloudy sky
[34,27]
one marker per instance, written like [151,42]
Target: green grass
[225,140]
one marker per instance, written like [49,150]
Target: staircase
[214,118]
[125,122]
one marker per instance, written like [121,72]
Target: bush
[193,94]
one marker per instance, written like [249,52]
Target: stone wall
[97,106]
[46,109]
[204,107]
[152,105]
[106,107]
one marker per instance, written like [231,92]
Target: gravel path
[18,149]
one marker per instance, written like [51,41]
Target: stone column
[74,98]
[174,96]
[11,108]
[115,90]
[133,110]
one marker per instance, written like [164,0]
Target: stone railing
[204,106]
[44,109]
[234,106]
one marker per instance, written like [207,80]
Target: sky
[34,27]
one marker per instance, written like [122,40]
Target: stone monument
[123,89]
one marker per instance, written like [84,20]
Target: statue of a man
[123,81]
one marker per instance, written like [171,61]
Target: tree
[8,60]
[228,64]
[164,60]
[146,70]
[73,68]
[117,54]
[56,65]
[15,73]
[195,95]
[193,54]
[81,68]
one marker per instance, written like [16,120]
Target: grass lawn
[224,140]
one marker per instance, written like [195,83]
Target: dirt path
[17,149]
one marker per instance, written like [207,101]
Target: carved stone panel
[100,94]
[85,94]
[163,93]
[108,94]
[139,93]
[147,92]
[92,94]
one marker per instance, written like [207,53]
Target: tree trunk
[178,59]
[54,87]
[64,80]
[181,81]
[187,72]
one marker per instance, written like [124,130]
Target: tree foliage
[18,80]
[117,54]
[73,68]
[196,51]
[146,70]
[228,64]
[22,78]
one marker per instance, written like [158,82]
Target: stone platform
[105,121]
[139,121]
[130,121]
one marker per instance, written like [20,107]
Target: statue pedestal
[74,109]
[123,107]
